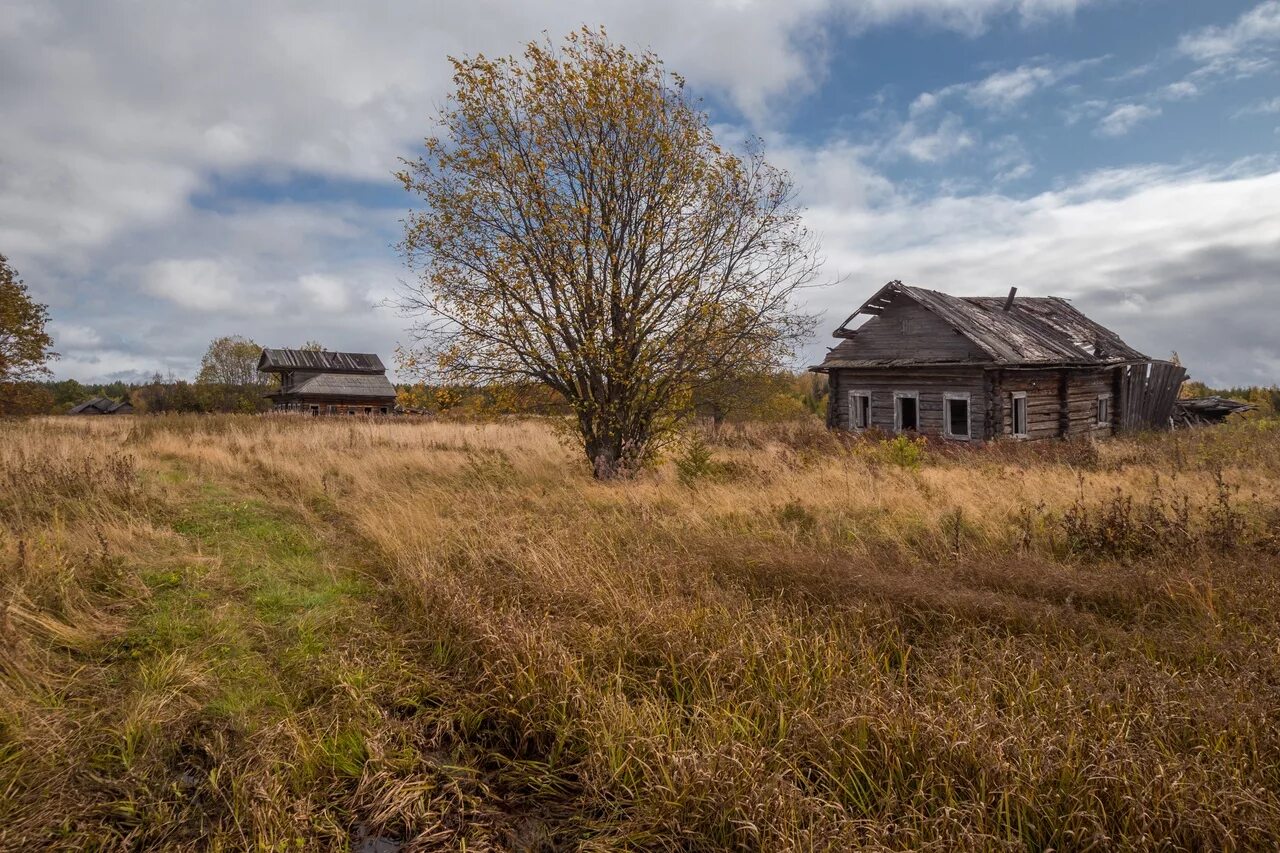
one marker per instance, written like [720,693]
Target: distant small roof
[276,360]
[1035,330]
[99,405]
[340,385]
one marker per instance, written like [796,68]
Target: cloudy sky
[173,170]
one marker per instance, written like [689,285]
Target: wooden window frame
[853,421]
[1014,397]
[947,431]
[1102,412]
[897,409]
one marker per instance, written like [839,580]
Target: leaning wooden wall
[1148,391]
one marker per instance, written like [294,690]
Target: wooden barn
[328,383]
[977,368]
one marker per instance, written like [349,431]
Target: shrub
[903,451]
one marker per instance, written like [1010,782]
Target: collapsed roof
[1024,331]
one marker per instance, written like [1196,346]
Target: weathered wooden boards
[1148,391]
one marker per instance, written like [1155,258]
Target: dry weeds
[237,632]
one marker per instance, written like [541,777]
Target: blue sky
[171,172]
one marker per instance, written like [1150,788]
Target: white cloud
[933,143]
[1268,107]
[115,113]
[1181,90]
[1009,159]
[71,336]
[1125,118]
[326,293]
[197,284]
[1257,28]
[1006,89]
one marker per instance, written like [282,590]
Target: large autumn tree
[232,360]
[583,229]
[24,344]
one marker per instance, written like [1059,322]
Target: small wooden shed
[328,383]
[980,367]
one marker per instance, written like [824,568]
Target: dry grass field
[251,633]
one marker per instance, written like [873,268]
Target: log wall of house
[1047,417]
[1060,401]
[930,383]
[906,327]
[343,406]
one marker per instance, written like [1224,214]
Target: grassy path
[237,696]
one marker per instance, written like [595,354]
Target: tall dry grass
[283,633]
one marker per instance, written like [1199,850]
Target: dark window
[1104,410]
[315,411]
[958,417]
[859,410]
[1019,415]
[383,410]
[908,413]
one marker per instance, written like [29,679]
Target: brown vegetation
[296,634]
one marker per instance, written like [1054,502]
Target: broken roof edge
[1043,330]
[278,360]
[843,332]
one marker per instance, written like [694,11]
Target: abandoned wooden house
[978,368]
[102,406]
[328,383]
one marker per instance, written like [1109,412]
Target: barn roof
[98,405]
[277,360]
[1034,330]
[344,385]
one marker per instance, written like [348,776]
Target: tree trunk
[613,453]
[603,456]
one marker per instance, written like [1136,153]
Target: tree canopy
[583,229]
[25,344]
[232,360]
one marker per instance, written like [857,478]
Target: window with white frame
[1104,410]
[1018,414]
[859,410]
[955,415]
[906,411]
